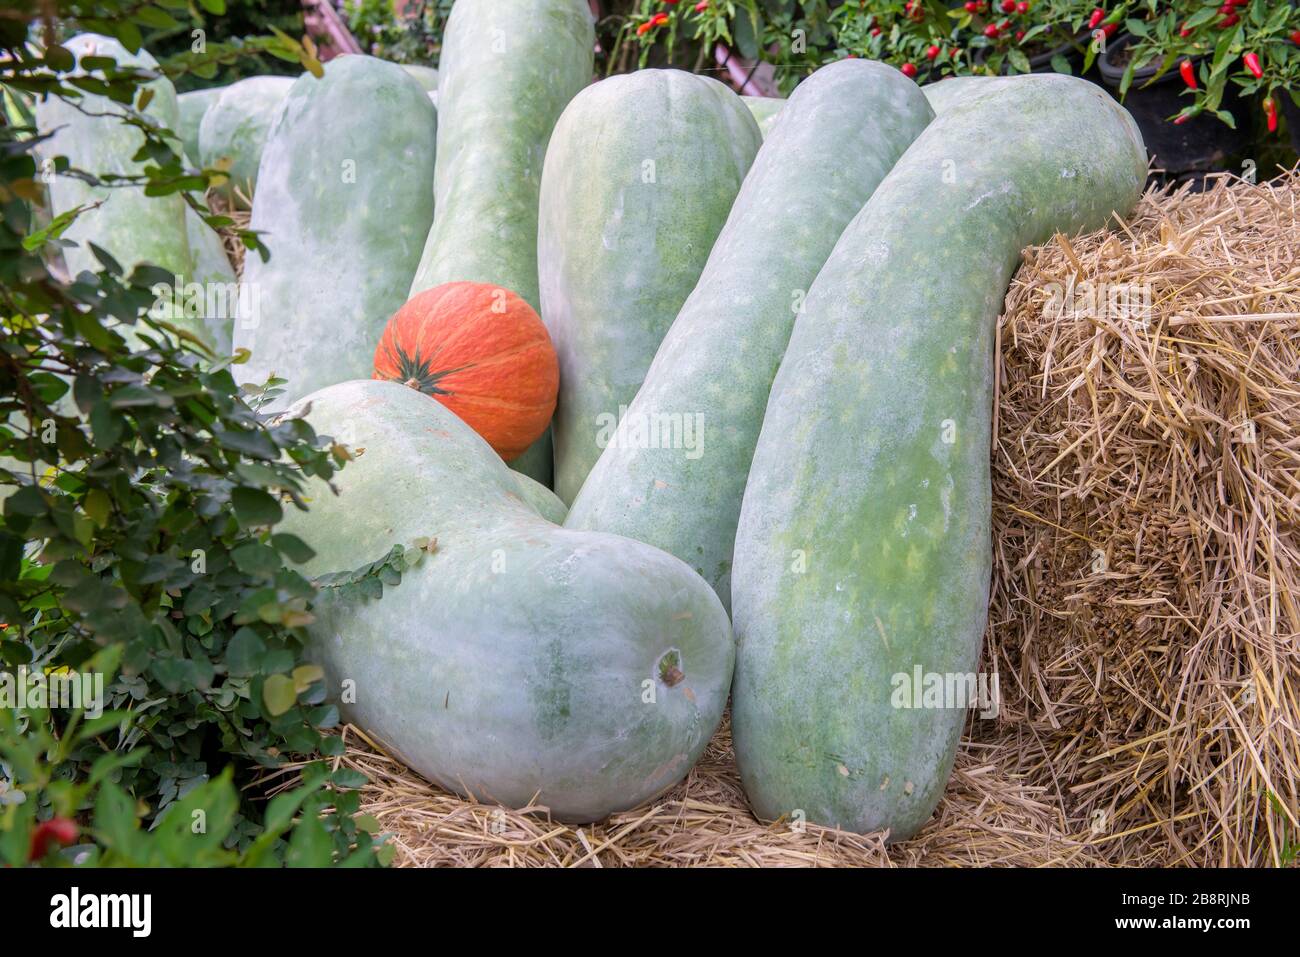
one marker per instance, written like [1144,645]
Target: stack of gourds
[768,354]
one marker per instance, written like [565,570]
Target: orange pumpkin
[482,352]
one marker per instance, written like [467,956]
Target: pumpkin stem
[412,383]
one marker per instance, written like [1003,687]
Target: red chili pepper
[1295,37]
[1252,64]
[1188,73]
[1109,29]
[1183,31]
[875,31]
[1097,16]
[1020,35]
[1022,6]
[702,6]
[932,52]
[1228,21]
[1008,6]
[973,7]
[1182,118]
[59,830]
[659,19]
[991,30]
[909,70]
[1270,110]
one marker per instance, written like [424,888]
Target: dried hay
[220,205]
[1143,619]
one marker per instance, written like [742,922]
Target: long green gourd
[947,93]
[840,133]
[517,660]
[765,109]
[426,76]
[212,267]
[193,105]
[207,252]
[132,227]
[345,199]
[507,70]
[863,552]
[640,176]
[234,130]
[540,498]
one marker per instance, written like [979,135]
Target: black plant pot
[1199,145]
[1042,62]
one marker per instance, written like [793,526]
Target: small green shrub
[139,558]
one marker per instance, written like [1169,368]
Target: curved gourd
[517,661]
[863,555]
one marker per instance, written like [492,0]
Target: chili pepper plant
[1254,44]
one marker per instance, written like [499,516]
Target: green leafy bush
[413,35]
[139,557]
[230,27]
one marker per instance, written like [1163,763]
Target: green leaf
[59,58]
[304,676]
[105,425]
[244,653]
[292,547]
[254,558]
[98,506]
[156,17]
[15,653]
[746,35]
[129,34]
[278,694]
[348,778]
[11,556]
[255,507]
[54,230]
[310,845]
[28,500]
[139,397]
[281,808]
[115,822]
